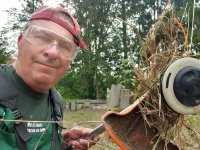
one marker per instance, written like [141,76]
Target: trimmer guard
[129,131]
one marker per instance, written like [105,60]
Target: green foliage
[112,44]
[126,74]
[69,86]
[184,11]
[5,56]
[15,24]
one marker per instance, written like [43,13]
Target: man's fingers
[81,144]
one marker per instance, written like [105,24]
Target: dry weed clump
[162,46]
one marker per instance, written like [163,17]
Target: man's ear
[20,37]
[19,44]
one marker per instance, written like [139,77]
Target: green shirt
[34,106]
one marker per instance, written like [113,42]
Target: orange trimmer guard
[129,131]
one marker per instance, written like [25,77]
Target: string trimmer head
[134,129]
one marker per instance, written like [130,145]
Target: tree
[5,56]
[110,41]
[92,66]
[109,28]
[184,12]
[15,24]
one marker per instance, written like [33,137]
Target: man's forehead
[44,32]
[54,27]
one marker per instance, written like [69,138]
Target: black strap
[22,135]
[55,137]
[8,99]
[21,143]
[22,132]
[8,96]
[55,99]
[7,91]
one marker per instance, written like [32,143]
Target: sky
[5,6]
[15,3]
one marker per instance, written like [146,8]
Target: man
[47,47]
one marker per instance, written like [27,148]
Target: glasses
[45,39]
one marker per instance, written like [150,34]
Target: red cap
[47,13]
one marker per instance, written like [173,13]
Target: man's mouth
[49,64]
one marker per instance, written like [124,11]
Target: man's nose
[53,46]
[52,51]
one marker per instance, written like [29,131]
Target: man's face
[41,67]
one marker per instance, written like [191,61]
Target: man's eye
[65,47]
[42,37]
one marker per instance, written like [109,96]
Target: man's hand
[77,138]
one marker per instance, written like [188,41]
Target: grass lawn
[91,118]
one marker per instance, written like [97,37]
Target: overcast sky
[5,5]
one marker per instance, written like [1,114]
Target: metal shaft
[97,131]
